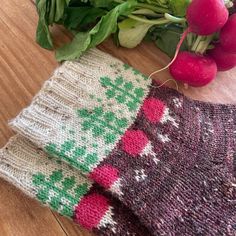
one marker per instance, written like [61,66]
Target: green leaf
[52,12]
[43,36]
[132,32]
[49,11]
[74,49]
[167,39]
[108,23]
[106,26]
[127,24]
[81,16]
[101,3]
[146,12]
[60,6]
[179,7]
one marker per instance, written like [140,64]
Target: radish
[224,60]
[205,17]
[228,35]
[193,69]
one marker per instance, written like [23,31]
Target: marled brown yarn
[185,184]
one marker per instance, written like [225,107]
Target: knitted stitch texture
[84,109]
[168,158]
[64,190]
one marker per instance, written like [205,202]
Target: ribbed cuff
[84,109]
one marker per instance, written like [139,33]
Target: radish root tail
[161,85]
[176,53]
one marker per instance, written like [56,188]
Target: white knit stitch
[164,138]
[168,118]
[107,220]
[177,102]
[116,188]
[148,150]
[140,175]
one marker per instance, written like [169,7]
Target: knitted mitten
[64,190]
[168,158]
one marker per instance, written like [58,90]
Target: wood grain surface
[24,66]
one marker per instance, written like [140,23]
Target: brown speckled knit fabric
[180,178]
[168,158]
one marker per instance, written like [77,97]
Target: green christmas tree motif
[102,124]
[124,92]
[61,199]
[135,72]
[76,156]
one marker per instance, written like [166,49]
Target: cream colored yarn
[84,109]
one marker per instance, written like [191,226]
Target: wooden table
[24,66]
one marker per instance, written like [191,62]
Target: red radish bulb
[206,17]
[228,35]
[193,69]
[224,60]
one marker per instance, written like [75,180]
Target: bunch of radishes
[207,18]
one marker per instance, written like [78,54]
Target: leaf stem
[160,21]
[190,40]
[174,19]
[203,45]
[195,45]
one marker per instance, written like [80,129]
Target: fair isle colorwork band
[84,109]
[64,190]
[170,159]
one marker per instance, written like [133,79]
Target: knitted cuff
[61,188]
[84,109]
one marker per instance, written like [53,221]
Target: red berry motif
[134,141]
[91,210]
[153,109]
[105,175]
